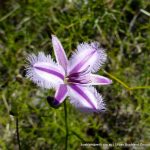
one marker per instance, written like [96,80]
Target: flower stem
[66,125]
[125,85]
[17,131]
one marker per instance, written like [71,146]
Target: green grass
[121,27]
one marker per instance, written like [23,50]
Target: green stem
[125,85]
[17,131]
[66,125]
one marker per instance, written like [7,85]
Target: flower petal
[98,80]
[87,56]
[59,52]
[86,99]
[60,94]
[44,72]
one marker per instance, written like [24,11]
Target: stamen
[66,80]
[78,77]
[81,73]
[79,81]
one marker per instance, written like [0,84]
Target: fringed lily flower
[73,77]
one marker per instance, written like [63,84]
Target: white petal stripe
[51,72]
[98,80]
[84,96]
[59,52]
[60,94]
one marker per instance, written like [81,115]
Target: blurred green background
[122,27]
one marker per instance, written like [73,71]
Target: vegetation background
[122,27]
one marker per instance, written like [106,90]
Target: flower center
[81,77]
[66,80]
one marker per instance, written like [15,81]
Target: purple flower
[73,77]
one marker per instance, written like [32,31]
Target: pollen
[66,80]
